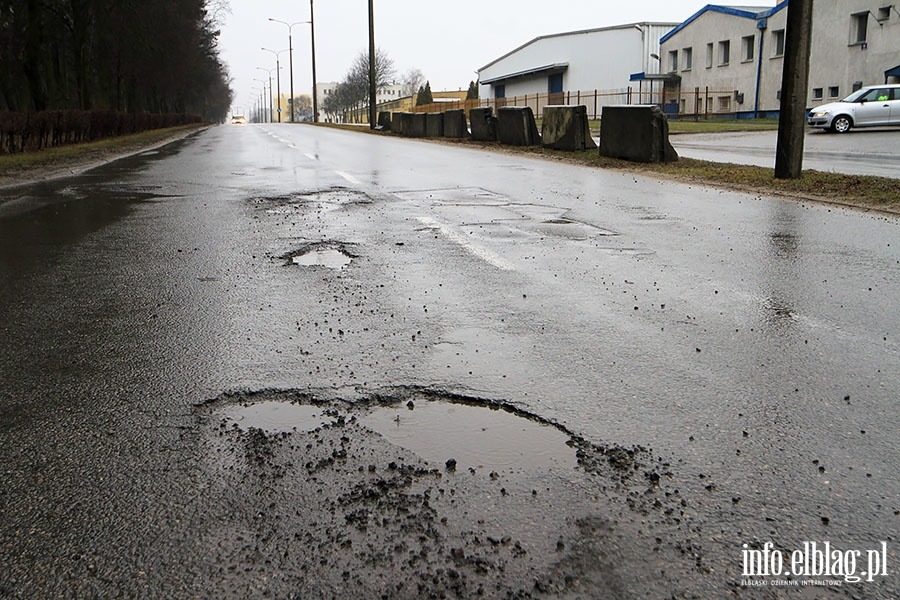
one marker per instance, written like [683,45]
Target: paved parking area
[859,152]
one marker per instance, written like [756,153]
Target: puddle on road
[475,436]
[332,259]
[331,255]
[276,417]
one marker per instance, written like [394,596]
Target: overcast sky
[447,41]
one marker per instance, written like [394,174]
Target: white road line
[457,236]
[349,177]
[311,156]
[292,146]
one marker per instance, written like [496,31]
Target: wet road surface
[723,367]
[873,151]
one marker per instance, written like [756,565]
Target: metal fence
[699,103]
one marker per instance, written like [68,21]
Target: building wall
[597,59]
[837,60]
[732,84]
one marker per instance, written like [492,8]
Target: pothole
[473,436]
[330,255]
[277,417]
[465,496]
[333,196]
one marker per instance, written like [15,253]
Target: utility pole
[312,28]
[794,87]
[372,84]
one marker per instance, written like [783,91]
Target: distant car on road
[871,106]
[238,120]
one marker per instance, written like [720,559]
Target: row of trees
[352,93]
[157,56]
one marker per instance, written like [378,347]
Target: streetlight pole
[264,93]
[269,71]
[290,27]
[277,76]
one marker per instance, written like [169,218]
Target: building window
[673,61]
[500,91]
[859,27]
[834,91]
[857,85]
[884,13]
[778,42]
[818,93]
[724,52]
[688,54]
[724,103]
[709,56]
[748,43]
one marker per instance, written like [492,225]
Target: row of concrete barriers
[637,133]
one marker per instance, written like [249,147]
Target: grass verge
[859,191]
[17,168]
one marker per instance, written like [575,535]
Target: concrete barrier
[455,124]
[566,128]
[384,121]
[636,133]
[484,125]
[397,123]
[434,125]
[415,126]
[516,126]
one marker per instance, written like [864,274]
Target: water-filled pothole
[276,417]
[333,259]
[325,254]
[473,436]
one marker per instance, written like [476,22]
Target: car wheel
[841,124]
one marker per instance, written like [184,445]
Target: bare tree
[385,72]
[412,81]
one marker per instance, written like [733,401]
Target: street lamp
[264,89]
[269,71]
[277,76]
[290,26]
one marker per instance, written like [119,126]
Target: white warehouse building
[591,59]
[737,54]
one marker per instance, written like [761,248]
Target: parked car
[871,106]
[238,120]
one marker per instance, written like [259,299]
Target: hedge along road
[221,359]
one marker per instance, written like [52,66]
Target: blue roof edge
[727,10]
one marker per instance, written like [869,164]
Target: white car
[871,106]
[238,120]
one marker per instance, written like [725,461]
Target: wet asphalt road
[751,343]
[872,151]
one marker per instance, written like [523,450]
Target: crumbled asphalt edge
[305,197]
[342,247]
[397,510]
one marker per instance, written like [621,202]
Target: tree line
[352,93]
[130,56]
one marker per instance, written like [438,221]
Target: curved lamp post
[277,76]
[269,71]
[290,27]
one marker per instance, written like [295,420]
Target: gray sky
[447,41]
